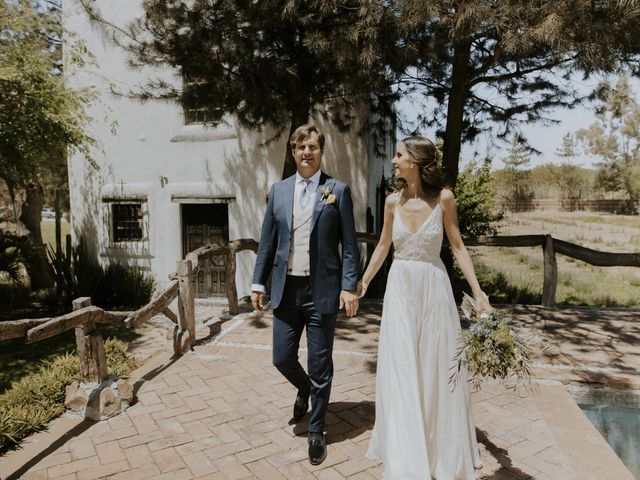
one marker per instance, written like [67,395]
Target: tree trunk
[458,95]
[299,116]
[31,217]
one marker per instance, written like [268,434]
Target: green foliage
[40,116]
[491,348]
[517,175]
[480,63]
[38,398]
[118,363]
[124,286]
[568,148]
[13,295]
[562,182]
[615,138]
[78,274]
[12,249]
[475,200]
[270,63]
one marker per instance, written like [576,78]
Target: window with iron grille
[127,222]
[198,116]
[194,113]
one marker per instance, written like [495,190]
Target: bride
[423,429]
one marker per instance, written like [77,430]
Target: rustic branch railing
[85,317]
[550,246]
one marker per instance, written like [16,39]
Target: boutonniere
[327,197]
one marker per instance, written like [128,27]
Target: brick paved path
[222,412]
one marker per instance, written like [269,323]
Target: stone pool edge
[586,450]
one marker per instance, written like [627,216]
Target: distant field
[49,232]
[517,272]
[48,228]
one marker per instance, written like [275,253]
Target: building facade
[164,183]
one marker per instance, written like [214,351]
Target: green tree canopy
[615,138]
[517,173]
[270,63]
[490,65]
[40,117]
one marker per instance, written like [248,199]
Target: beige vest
[300,230]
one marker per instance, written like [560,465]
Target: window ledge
[203,133]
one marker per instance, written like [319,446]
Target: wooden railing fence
[550,246]
[85,318]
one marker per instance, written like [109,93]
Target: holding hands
[349,300]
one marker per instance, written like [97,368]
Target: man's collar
[315,178]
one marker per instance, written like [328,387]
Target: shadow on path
[502,456]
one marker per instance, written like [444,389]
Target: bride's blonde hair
[427,157]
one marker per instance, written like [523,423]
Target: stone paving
[222,412]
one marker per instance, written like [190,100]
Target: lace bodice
[423,245]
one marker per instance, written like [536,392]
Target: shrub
[124,286]
[78,274]
[13,295]
[38,398]
[475,199]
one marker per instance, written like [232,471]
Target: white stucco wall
[145,150]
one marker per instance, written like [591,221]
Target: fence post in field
[186,308]
[232,293]
[93,359]
[550,272]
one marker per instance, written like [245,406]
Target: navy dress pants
[295,312]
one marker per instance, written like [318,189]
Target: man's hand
[350,302]
[256,301]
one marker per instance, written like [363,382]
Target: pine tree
[516,163]
[490,65]
[615,138]
[270,63]
[568,147]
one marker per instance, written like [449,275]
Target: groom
[308,215]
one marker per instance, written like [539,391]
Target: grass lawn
[19,359]
[49,232]
[515,275]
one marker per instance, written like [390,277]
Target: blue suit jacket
[331,224]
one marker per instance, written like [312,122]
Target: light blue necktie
[305,195]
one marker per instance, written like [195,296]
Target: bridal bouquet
[490,348]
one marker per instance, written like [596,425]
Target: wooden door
[204,225]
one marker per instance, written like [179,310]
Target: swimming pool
[616,415]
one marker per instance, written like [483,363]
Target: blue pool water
[621,427]
[616,415]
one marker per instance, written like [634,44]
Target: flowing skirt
[424,429]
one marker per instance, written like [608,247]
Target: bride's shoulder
[392,200]
[446,197]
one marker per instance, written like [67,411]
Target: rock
[76,397]
[110,403]
[99,401]
[125,390]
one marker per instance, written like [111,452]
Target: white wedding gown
[423,429]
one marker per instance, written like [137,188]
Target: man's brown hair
[302,132]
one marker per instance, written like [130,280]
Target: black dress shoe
[301,405]
[317,448]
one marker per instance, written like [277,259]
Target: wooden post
[186,304]
[58,225]
[232,292]
[550,273]
[93,359]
